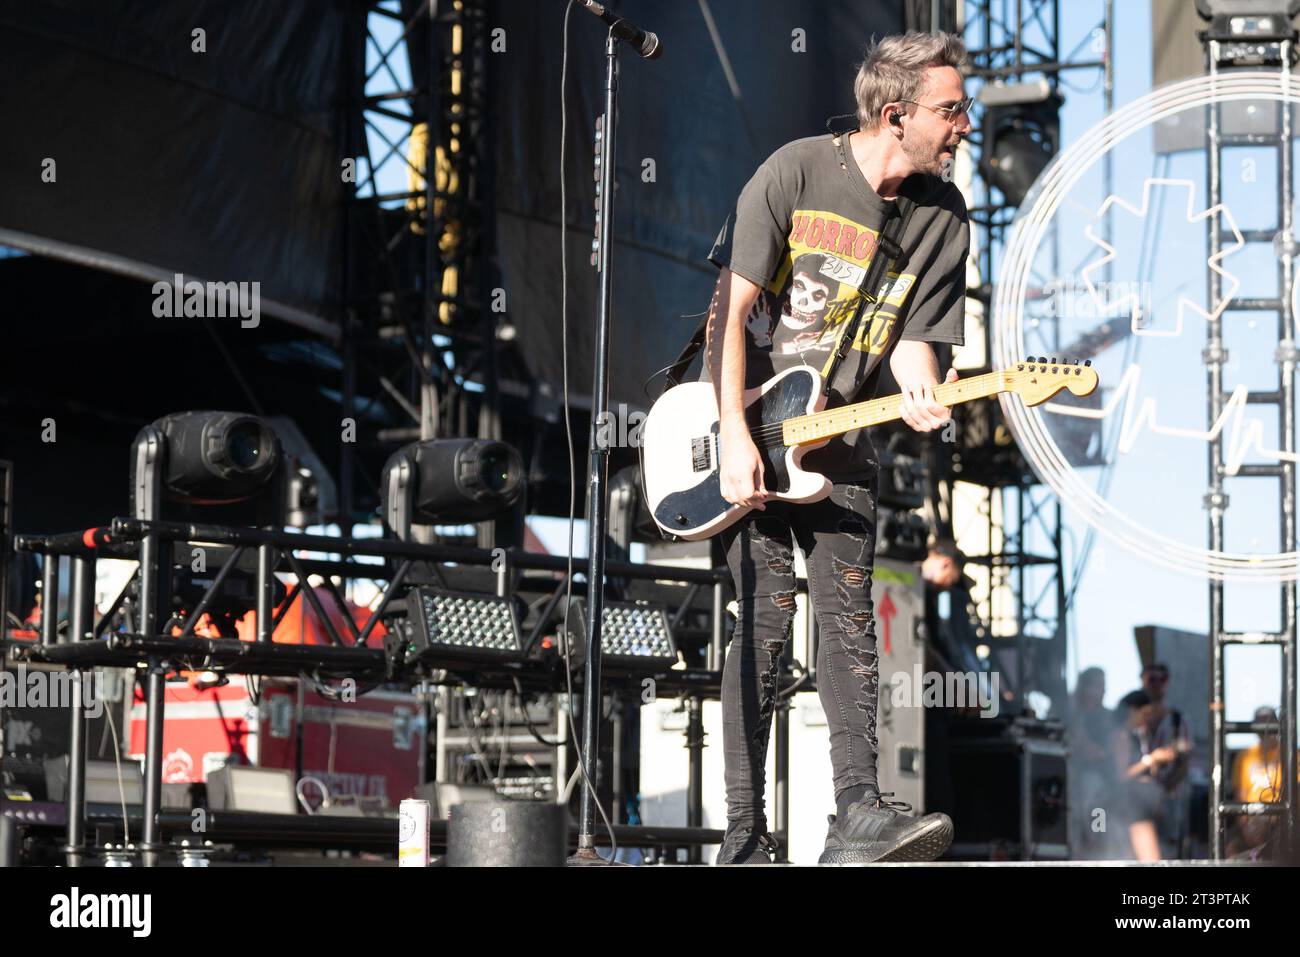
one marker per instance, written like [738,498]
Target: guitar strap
[674,372]
[888,249]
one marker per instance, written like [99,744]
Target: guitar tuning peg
[1087,362]
[1054,360]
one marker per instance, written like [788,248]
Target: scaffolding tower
[1222,52]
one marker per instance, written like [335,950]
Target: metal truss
[141,631]
[1278,396]
[420,343]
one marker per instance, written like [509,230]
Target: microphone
[645,42]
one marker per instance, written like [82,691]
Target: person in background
[1257,778]
[1166,725]
[1089,727]
[943,565]
[1140,794]
[1167,728]
[949,625]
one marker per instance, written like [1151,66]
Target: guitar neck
[803,429]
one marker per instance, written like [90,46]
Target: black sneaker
[879,832]
[744,844]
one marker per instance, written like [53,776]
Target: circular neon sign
[1039,430]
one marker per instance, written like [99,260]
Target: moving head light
[449,480]
[217,457]
[215,467]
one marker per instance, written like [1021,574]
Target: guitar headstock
[1037,380]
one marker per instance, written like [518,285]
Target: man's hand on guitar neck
[916,369]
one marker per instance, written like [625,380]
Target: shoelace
[901,806]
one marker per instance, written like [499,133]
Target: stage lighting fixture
[237,787]
[218,467]
[1021,133]
[629,519]
[311,497]
[105,782]
[459,623]
[1249,19]
[902,535]
[902,481]
[449,480]
[1249,32]
[217,457]
[202,458]
[634,635]
[302,499]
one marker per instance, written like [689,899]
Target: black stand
[598,492]
[155,583]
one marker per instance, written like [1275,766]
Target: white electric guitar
[681,447]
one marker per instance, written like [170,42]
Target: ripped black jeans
[838,539]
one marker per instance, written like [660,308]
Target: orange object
[297,627]
[301,625]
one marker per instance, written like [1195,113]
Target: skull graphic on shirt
[808,295]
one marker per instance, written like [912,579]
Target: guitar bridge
[701,457]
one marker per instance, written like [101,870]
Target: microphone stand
[598,493]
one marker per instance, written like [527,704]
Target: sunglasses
[947,112]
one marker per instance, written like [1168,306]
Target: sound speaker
[1009,790]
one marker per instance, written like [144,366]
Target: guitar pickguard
[788,398]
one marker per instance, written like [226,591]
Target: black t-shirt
[804,229]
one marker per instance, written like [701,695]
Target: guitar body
[680,464]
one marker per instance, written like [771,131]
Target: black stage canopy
[220,164]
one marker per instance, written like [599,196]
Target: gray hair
[893,70]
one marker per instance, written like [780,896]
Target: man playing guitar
[821,203]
